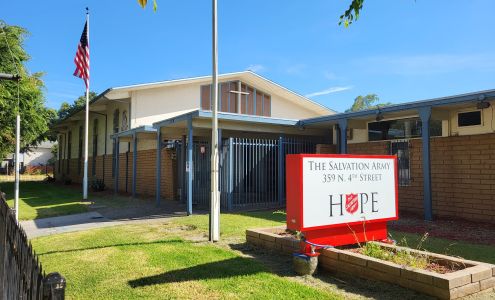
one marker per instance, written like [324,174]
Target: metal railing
[249,170]
[400,148]
[21,274]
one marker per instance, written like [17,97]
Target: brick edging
[476,277]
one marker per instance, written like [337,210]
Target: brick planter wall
[474,278]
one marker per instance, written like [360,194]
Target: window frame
[400,138]
[470,111]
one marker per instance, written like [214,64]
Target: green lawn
[173,260]
[41,200]
[162,261]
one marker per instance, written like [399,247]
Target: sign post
[341,199]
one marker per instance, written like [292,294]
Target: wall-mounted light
[482,105]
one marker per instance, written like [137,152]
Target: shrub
[97,185]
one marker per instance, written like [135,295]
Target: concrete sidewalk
[79,222]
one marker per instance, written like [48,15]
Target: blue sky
[401,50]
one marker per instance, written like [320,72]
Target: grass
[172,260]
[402,257]
[41,200]
[167,260]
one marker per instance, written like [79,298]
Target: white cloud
[257,68]
[428,63]
[330,90]
[295,69]
[329,75]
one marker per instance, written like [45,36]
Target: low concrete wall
[474,278]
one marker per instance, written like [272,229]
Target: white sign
[339,190]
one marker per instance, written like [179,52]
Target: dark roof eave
[101,95]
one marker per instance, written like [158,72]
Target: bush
[66,180]
[97,185]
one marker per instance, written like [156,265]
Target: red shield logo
[351,203]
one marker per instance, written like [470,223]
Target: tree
[352,13]
[67,109]
[369,101]
[35,117]
[349,16]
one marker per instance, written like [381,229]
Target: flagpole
[215,194]
[86,127]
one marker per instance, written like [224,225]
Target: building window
[401,129]
[69,151]
[401,150]
[95,146]
[80,150]
[237,97]
[469,118]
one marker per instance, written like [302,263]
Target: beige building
[130,119]
[161,132]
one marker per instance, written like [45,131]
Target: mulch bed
[461,230]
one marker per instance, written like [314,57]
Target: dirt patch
[479,233]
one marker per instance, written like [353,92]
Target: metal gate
[252,170]
[249,171]
[401,149]
[201,173]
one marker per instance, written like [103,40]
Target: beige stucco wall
[285,109]
[487,121]
[449,124]
[153,105]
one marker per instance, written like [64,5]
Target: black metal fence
[401,149]
[249,170]
[21,274]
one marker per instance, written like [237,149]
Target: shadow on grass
[281,264]
[59,210]
[238,266]
[171,241]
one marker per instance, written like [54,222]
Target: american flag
[82,57]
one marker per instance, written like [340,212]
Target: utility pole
[215,193]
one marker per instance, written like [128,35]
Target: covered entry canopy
[198,124]
[432,109]
[131,135]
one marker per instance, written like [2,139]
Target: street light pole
[16,77]
[215,194]
[17,156]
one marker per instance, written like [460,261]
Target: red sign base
[348,235]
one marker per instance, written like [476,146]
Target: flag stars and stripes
[82,57]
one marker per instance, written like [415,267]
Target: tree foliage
[35,117]
[67,109]
[350,15]
[370,101]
